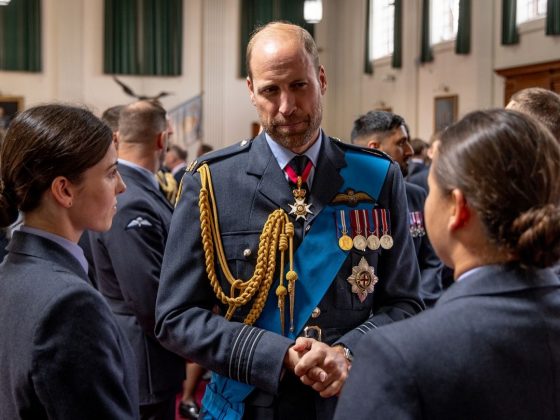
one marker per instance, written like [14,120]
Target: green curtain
[396,61]
[292,11]
[255,13]
[121,46]
[425,47]
[143,37]
[20,36]
[368,64]
[509,22]
[162,37]
[553,17]
[463,41]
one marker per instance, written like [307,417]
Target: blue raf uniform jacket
[128,262]
[249,185]
[489,349]
[63,354]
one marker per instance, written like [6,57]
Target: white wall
[73,60]
[410,91]
[228,112]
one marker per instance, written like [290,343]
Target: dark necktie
[298,164]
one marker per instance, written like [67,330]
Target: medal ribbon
[365,221]
[340,217]
[355,221]
[385,220]
[371,226]
[375,213]
[420,221]
[293,177]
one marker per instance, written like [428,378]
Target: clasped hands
[322,367]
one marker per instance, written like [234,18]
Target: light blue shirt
[283,156]
[470,272]
[72,247]
[150,177]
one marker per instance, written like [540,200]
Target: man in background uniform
[128,257]
[388,132]
[310,275]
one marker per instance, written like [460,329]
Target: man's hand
[322,367]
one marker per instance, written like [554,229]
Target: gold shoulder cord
[277,234]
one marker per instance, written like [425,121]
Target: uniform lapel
[273,184]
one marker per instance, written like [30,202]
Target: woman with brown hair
[490,348]
[62,354]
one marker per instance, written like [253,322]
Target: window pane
[381,22]
[444,20]
[530,10]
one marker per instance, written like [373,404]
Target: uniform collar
[150,176]
[283,156]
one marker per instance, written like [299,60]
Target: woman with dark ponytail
[490,348]
[62,354]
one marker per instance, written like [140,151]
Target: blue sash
[317,259]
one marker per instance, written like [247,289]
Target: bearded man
[301,241]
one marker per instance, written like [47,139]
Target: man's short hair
[418,146]
[204,148]
[179,151]
[111,117]
[541,104]
[381,123]
[287,28]
[141,121]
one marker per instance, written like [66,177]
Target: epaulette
[369,151]
[220,154]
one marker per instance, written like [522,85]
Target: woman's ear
[62,191]
[460,211]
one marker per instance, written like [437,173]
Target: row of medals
[360,242]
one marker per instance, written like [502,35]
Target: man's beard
[293,141]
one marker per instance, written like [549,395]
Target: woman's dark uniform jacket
[489,349]
[128,263]
[248,186]
[62,355]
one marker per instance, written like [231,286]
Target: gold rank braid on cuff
[277,235]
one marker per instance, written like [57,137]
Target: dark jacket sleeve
[379,386]
[430,265]
[185,322]
[134,256]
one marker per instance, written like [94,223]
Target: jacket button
[247,252]
[316,312]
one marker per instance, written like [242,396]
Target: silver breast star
[300,209]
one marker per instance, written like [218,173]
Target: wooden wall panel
[545,75]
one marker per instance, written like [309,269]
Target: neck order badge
[298,171]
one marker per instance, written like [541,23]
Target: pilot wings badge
[138,223]
[351,198]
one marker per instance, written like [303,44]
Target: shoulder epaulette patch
[221,154]
[374,152]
